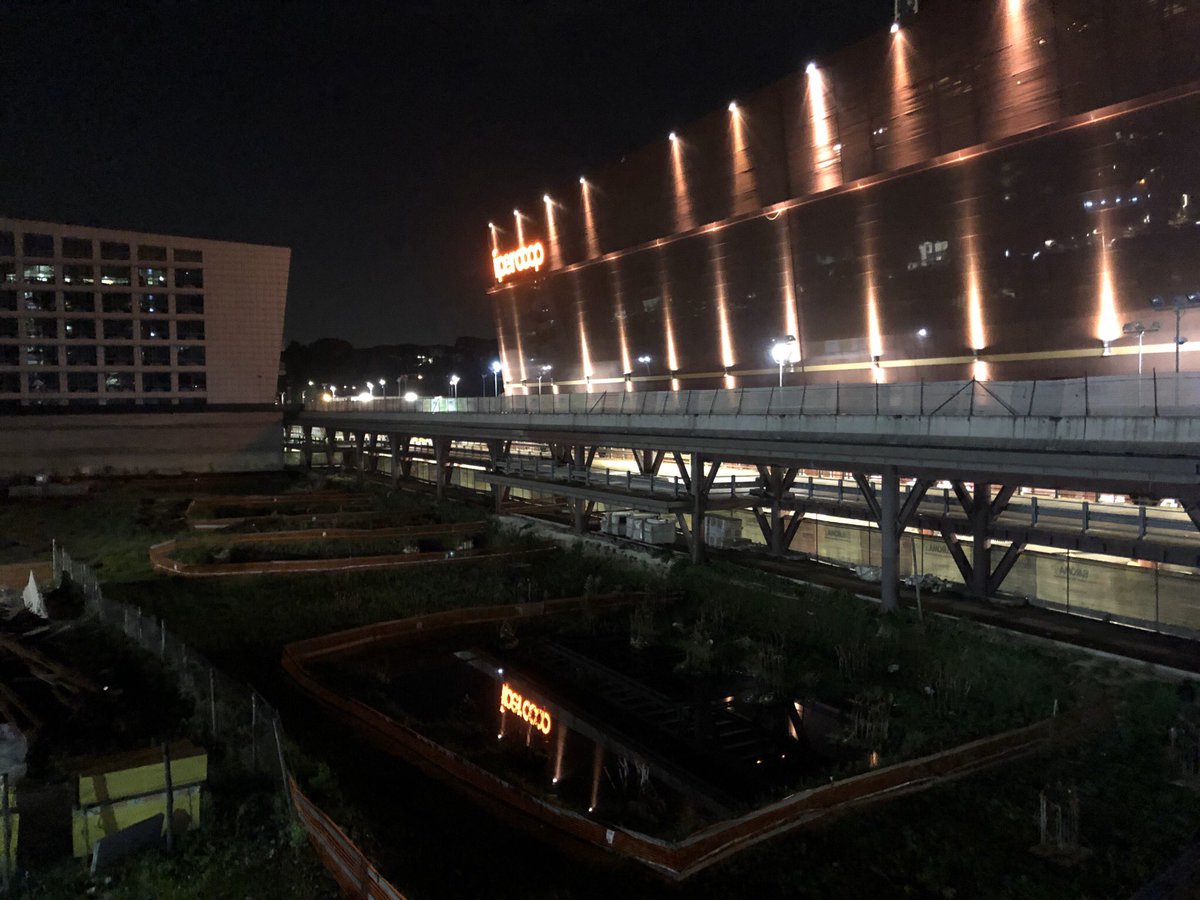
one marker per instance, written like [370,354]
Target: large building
[993,188]
[130,352]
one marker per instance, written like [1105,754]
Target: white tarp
[33,599]
[13,748]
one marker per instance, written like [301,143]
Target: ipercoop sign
[529,711]
[524,258]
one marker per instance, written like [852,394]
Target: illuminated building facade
[993,188]
[99,328]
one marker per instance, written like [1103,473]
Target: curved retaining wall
[675,859]
[161,558]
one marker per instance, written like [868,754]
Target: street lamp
[1141,331]
[454,386]
[1179,303]
[645,361]
[383,388]
[410,397]
[542,370]
[496,367]
[371,388]
[784,351]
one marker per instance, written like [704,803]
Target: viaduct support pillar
[981,549]
[579,452]
[307,448]
[441,475]
[699,495]
[360,440]
[889,531]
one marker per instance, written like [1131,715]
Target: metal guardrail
[1152,395]
[608,478]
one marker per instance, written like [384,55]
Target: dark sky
[374,139]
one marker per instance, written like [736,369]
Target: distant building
[130,352]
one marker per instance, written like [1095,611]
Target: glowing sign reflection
[529,711]
[520,260]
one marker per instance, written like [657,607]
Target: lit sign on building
[529,711]
[522,259]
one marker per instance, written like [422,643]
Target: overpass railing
[1152,395]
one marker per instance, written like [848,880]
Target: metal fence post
[212,699]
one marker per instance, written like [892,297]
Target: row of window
[85,302]
[143,276]
[47,355]
[116,382]
[41,246]
[114,329]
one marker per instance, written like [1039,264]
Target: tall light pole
[496,367]
[383,388]
[542,370]
[1179,303]
[371,388]
[645,360]
[783,351]
[454,386]
[1141,331]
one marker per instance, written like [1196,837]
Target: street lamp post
[454,386]
[383,388]
[783,351]
[1179,303]
[496,367]
[645,360]
[371,388]
[542,370]
[1137,328]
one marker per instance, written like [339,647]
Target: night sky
[374,139]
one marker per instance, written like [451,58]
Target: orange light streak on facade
[720,289]
[552,234]
[685,219]
[495,240]
[668,325]
[745,184]
[585,356]
[517,339]
[589,220]
[791,320]
[874,329]
[597,768]
[560,746]
[826,152]
[905,149]
[1019,105]
[1108,321]
[622,332]
[520,228]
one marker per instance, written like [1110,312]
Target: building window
[113,250]
[8,273]
[42,274]
[77,274]
[45,382]
[79,302]
[150,252]
[114,275]
[153,330]
[156,382]
[41,355]
[118,382]
[149,276]
[39,301]
[10,355]
[8,301]
[83,355]
[8,327]
[79,329]
[8,247]
[117,303]
[156,356]
[189,330]
[77,248]
[81,382]
[39,246]
[115,356]
[189,355]
[10,383]
[190,382]
[189,278]
[188,255]
[153,304]
[118,329]
[189,304]
[41,329]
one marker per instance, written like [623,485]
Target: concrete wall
[140,443]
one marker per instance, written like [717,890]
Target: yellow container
[141,772]
[92,823]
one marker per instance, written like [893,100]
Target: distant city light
[410,396]
[922,332]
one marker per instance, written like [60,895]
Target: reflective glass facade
[1002,188]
